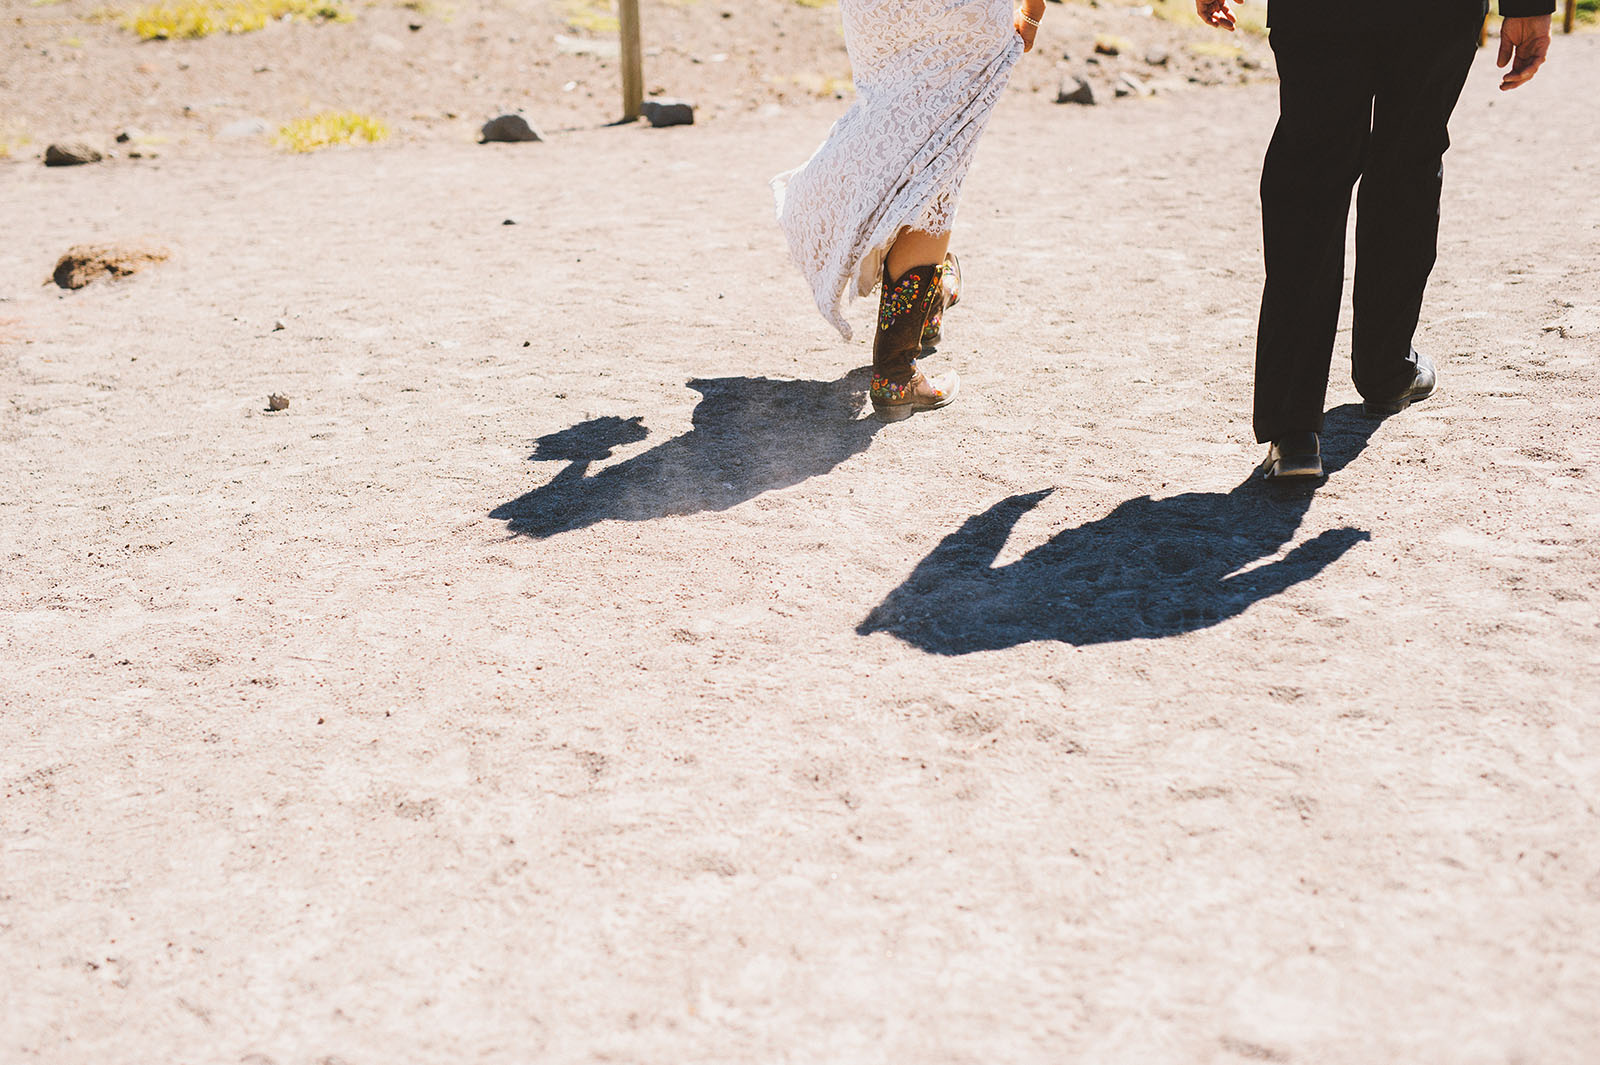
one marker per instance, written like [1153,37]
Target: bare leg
[913,248]
[912,285]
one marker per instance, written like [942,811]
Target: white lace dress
[927,74]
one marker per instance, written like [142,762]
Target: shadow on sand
[1150,568]
[748,435]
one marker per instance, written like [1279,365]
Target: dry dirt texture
[435,70]
[570,674]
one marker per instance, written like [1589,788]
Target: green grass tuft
[12,137]
[1251,20]
[592,16]
[329,128]
[1215,49]
[202,18]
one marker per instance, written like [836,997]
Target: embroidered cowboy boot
[947,295]
[899,389]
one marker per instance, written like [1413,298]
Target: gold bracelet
[1030,21]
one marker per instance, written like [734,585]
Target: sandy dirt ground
[572,674]
[435,70]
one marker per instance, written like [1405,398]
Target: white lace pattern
[927,74]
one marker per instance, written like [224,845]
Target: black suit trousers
[1372,103]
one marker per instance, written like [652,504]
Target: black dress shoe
[1297,457]
[1421,388]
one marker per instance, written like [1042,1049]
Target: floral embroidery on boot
[898,302]
[886,391]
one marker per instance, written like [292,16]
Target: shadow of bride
[1150,568]
[748,435]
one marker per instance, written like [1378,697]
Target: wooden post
[1570,17]
[632,59]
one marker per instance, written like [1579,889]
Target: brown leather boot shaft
[903,307]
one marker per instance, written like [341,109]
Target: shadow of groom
[748,435]
[1150,568]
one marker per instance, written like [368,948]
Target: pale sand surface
[753,731]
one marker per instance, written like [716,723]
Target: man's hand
[1217,13]
[1528,40]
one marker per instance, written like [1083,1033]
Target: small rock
[603,49]
[509,128]
[1158,57]
[280,324]
[129,135]
[1075,90]
[246,127]
[413,26]
[1249,63]
[71,153]
[509,222]
[668,112]
[87,262]
[277,401]
[1110,44]
[1128,85]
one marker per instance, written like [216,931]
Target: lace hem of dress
[896,160]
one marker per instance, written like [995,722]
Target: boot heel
[893,412]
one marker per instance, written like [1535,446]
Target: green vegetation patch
[1215,49]
[1250,19]
[11,139]
[202,18]
[329,128]
[592,16]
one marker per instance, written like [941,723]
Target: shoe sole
[1384,410]
[899,412]
[1277,473]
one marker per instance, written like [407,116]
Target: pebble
[509,128]
[84,263]
[71,153]
[277,401]
[1128,85]
[602,49]
[668,112]
[246,127]
[1075,90]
